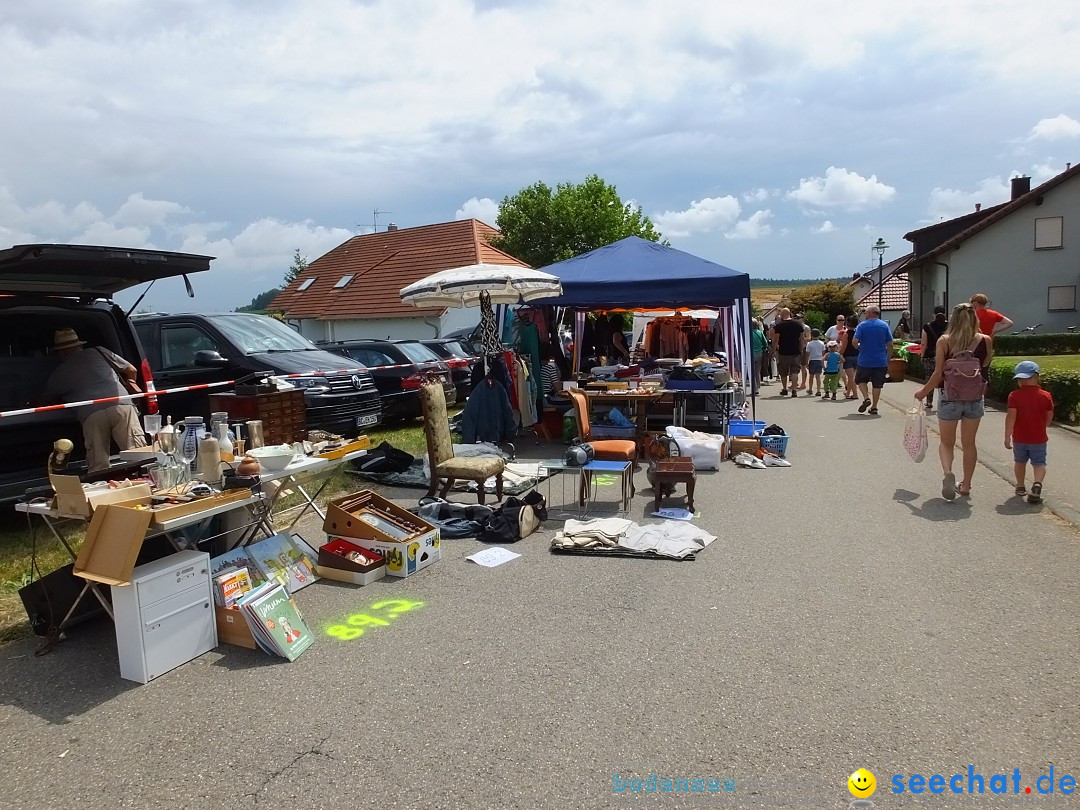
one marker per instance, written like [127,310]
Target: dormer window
[307,283]
[342,282]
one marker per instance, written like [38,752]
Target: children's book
[281,561]
[230,585]
[237,558]
[272,614]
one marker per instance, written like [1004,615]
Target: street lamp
[880,247]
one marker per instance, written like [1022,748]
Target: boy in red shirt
[1031,410]
[990,320]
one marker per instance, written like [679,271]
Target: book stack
[230,585]
[287,560]
[275,621]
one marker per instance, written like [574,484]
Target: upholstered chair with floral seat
[444,465]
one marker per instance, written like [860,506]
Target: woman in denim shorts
[962,335]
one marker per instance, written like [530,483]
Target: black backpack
[515,519]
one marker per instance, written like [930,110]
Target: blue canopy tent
[636,274]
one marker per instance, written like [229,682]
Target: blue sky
[778,138]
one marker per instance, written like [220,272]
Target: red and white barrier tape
[183,388]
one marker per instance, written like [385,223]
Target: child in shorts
[815,353]
[1031,410]
[833,361]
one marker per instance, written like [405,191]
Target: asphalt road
[846,617]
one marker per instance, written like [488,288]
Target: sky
[777,138]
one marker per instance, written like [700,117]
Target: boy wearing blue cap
[1031,410]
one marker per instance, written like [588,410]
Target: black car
[399,368]
[460,361]
[190,349]
[44,288]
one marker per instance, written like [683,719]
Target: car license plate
[364,421]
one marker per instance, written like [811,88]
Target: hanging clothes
[487,416]
[526,395]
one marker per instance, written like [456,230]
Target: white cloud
[825,227]
[138,210]
[758,195]
[703,216]
[948,203]
[1057,128]
[754,227]
[484,209]
[840,188]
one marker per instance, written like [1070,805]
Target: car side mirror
[208,358]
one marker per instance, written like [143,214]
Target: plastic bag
[915,441]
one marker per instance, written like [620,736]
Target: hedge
[1064,386]
[1037,345]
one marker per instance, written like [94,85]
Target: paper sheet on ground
[490,557]
[675,513]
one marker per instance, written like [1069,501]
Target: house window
[342,282]
[307,283]
[1048,233]
[1061,299]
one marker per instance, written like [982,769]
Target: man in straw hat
[95,373]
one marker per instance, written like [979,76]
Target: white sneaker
[747,460]
[769,460]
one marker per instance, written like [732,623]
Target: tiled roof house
[1024,254]
[353,291]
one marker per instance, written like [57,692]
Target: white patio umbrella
[461,286]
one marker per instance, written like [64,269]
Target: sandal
[873,411]
[864,406]
[1021,492]
[1036,493]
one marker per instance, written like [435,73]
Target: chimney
[391,227]
[1020,186]
[978,207]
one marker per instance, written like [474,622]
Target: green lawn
[1057,362]
[17,536]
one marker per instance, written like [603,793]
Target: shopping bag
[915,441]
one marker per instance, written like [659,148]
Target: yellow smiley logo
[862,784]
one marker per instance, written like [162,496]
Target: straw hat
[66,339]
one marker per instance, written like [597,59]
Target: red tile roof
[381,264]
[896,295]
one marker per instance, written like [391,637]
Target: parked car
[399,368]
[469,338]
[191,349]
[460,361]
[44,288]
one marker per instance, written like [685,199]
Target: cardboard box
[405,554]
[233,629]
[333,565]
[113,540]
[164,512]
[71,499]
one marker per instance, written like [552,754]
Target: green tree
[830,297]
[541,226]
[298,266]
[261,301]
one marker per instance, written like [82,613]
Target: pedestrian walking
[804,371]
[1031,410]
[833,361]
[962,355]
[931,333]
[872,337]
[758,347]
[850,352]
[815,352]
[833,332]
[788,344]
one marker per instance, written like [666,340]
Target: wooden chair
[605,449]
[441,459]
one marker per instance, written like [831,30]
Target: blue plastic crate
[775,444]
[744,427]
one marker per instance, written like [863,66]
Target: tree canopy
[829,297]
[540,226]
[298,266]
[261,301]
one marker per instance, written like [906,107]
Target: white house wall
[416,328]
[1002,262]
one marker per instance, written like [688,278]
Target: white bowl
[273,458]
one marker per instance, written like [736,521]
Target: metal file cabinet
[165,617]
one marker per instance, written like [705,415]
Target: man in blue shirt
[872,339]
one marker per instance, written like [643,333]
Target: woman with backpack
[962,357]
